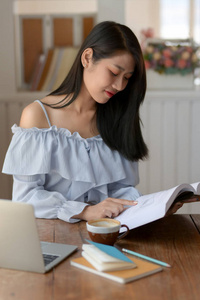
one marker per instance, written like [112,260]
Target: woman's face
[106,77]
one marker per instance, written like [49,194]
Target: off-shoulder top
[59,173]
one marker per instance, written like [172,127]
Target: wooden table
[175,240]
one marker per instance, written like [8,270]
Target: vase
[156,81]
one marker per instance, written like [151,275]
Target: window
[180,19]
[197,21]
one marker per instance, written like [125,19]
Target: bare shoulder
[33,116]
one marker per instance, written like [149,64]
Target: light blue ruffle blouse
[59,173]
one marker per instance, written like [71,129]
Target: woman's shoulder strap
[45,112]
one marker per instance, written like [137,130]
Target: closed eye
[127,78]
[114,74]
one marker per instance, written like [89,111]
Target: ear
[86,57]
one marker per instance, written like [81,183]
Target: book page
[196,186]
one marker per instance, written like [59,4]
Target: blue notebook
[111,250]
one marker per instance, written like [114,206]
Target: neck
[84,102]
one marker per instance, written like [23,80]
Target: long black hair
[118,120]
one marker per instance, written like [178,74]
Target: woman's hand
[178,204]
[110,207]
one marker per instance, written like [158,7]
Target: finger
[190,200]
[113,210]
[124,201]
[174,209]
[178,205]
[108,214]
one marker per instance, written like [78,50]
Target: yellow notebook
[143,269]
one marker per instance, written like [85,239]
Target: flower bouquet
[170,57]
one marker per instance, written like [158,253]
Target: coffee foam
[104,224]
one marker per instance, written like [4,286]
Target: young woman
[75,154]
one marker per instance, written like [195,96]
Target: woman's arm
[47,204]
[53,205]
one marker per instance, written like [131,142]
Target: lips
[110,94]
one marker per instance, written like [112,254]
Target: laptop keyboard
[48,258]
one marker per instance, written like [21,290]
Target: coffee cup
[105,230]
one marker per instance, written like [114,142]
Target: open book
[154,206]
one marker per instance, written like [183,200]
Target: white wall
[137,14]
[142,14]
[54,6]
[7,48]
[111,10]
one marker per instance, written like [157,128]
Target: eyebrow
[122,69]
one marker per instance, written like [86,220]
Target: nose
[119,84]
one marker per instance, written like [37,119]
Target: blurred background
[39,40]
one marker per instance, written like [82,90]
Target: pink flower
[147,64]
[181,63]
[189,49]
[168,62]
[167,52]
[148,33]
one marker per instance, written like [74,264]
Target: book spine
[46,69]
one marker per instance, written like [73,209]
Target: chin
[102,101]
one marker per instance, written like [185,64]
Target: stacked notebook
[109,262]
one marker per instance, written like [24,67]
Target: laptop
[20,247]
